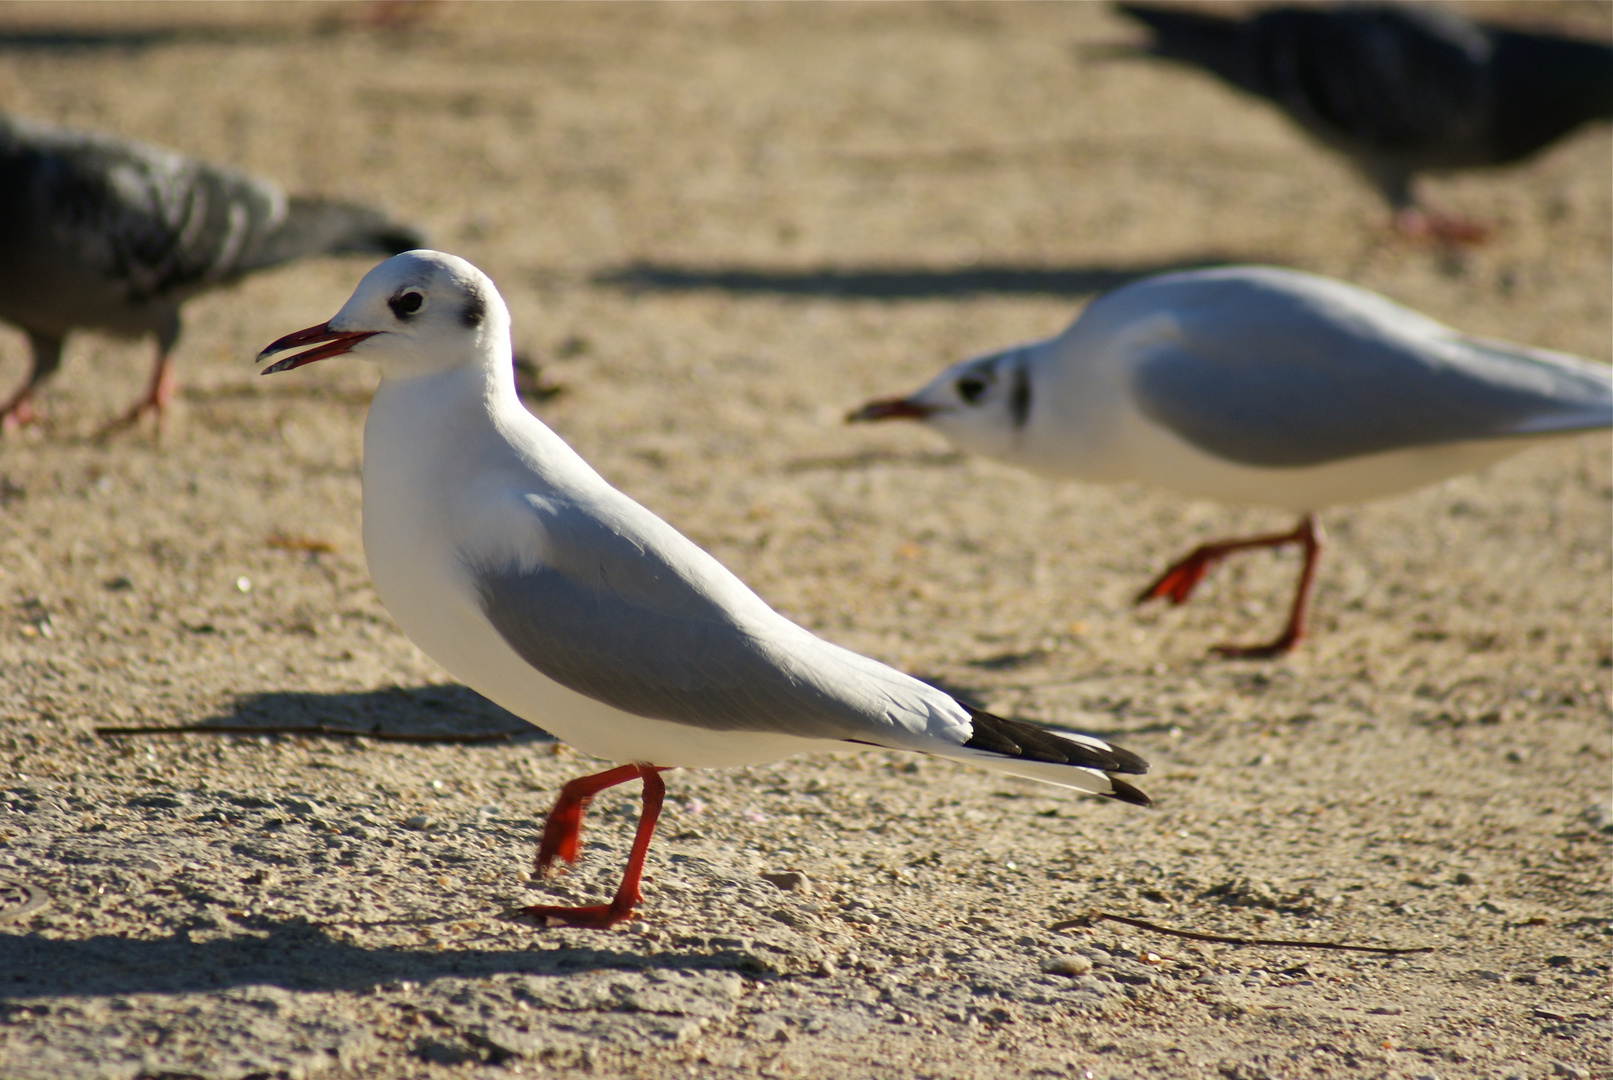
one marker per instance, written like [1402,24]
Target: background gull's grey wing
[1279,378]
[611,616]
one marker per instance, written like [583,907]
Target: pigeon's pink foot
[19,412]
[1449,231]
[155,401]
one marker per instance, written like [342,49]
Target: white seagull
[515,566]
[1254,385]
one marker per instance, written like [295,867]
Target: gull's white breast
[442,485]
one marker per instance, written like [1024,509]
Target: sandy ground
[720,227]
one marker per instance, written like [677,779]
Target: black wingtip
[1130,763]
[1017,739]
[1124,792]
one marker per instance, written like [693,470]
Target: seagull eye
[971,388]
[405,304]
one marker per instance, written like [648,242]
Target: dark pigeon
[1399,89]
[103,233]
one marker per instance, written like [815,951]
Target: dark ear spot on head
[475,309]
[1019,397]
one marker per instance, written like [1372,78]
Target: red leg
[19,412]
[1311,537]
[1182,577]
[561,839]
[1451,231]
[156,398]
[562,832]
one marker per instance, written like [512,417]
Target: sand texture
[719,228]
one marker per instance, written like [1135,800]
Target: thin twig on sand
[1222,939]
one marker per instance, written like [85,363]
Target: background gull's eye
[971,388]
[406,303]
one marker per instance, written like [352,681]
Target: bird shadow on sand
[293,954]
[901,282]
[432,713]
[58,39]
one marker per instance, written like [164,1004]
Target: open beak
[330,343]
[890,409]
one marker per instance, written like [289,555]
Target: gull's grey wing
[1284,371]
[611,615]
[618,612]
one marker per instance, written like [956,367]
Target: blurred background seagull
[519,569]
[1397,88]
[103,233]
[1257,386]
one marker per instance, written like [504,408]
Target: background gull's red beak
[890,409]
[336,342]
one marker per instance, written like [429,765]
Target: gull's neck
[457,423]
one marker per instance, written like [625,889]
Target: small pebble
[787,880]
[419,821]
[1067,965]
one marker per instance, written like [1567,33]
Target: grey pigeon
[1399,89]
[104,233]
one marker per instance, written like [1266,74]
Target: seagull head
[415,314]
[981,404]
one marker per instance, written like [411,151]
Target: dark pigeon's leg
[561,840]
[161,388]
[1182,577]
[1413,221]
[47,357]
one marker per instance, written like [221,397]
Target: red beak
[890,409]
[336,342]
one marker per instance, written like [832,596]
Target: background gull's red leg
[1182,577]
[1311,537]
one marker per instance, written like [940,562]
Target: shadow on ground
[293,954]
[424,711]
[900,282]
[60,39]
